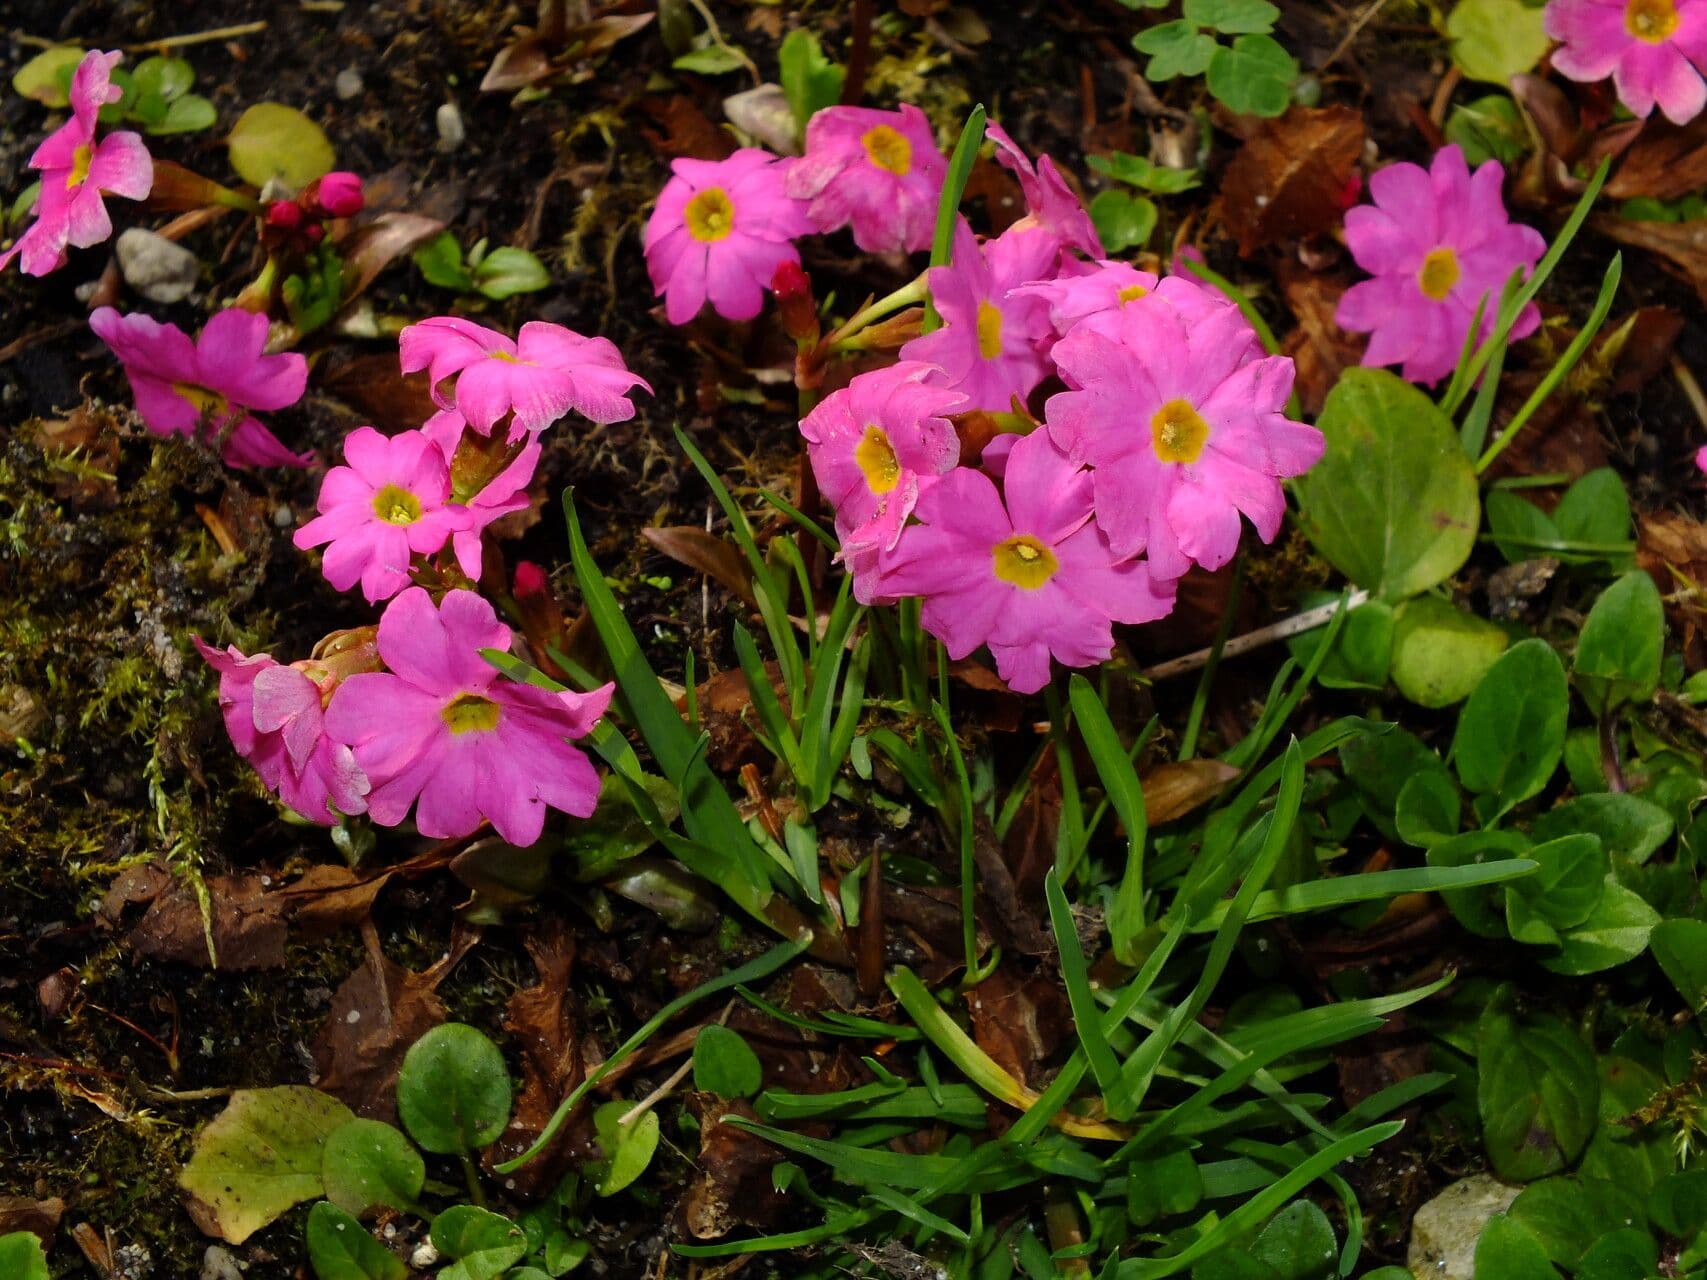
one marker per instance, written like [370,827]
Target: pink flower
[337,195]
[1701,458]
[719,232]
[879,170]
[76,172]
[1183,429]
[209,385]
[1096,296]
[390,503]
[537,378]
[1437,243]
[990,345]
[499,496]
[875,446]
[442,727]
[1050,202]
[1033,577]
[1652,49]
[274,716]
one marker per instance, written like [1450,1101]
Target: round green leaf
[1616,930]
[1622,641]
[1298,1243]
[1508,1249]
[41,77]
[453,1092]
[627,1148]
[21,1257]
[1393,504]
[1537,1091]
[484,1244]
[1561,893]
[1428,809]
[340,1248]
[1681,948]
[166,78]
[1630,828]
[723,1064]
[1123,220]
[368,1163]
[188,114]
[1512,730]
[1253,76]
[1231,17]
[1629,1253]
[507,271]
[1494,40]
[1478,908]
[1176,48]
[1439,652]
[271,140]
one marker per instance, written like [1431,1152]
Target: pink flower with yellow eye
[1653,50]
[878,171]
[1049,201]
[718,233]
[76,171]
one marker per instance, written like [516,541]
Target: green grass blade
[1125,792]
[1343,891]
[1087,1017]
[948,206]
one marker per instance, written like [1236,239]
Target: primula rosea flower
[1032,577]
[1653,50]
[337,195]
[1050,202]
[274,716]
[990,345]
[875,446]
[720,230]
[76,171]
[1096,296]
[1183,428]
[494,498]
[879,170]
[441,726]
[1437,242]
[537,377]
[1701,458]
[390,502]
[209,385]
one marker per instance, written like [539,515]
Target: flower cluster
[300,223]
[1439,244]
[77,170]
[411,717]
[1654,50]
[1169,430]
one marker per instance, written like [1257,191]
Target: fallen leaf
[372,385]
[1665,161]
[39,1217]
[732,1183]
[1019,1023]
[380,1010]
[1319,348]
[328,897]
[1176,788]
[717,558]
[246,922]
[375,245]
[1029,845]
[1673,549]
[1294,177]
[1681,246]
[684,130]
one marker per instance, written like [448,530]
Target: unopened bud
[339,194]
[793,289]
[284,215]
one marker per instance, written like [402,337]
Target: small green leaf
[189,114]
[1146,174]
[1123,221]
[1509,1250]
[1489,128]
[713,60]
[1233,17]
[1393,504]
[1479,909]
[1680,946]
[1494,40]
[1567,1215]
[440,261]
[1428,810]
[258,1157]
[1537,1091]
[1362,656]
[1595,509]
[1561,893]
[1441,653]
[1298,1243]
[166,78]
[1622,641]
[723,1064]
[627,1148]
[453,1092]
[40,78]
[1630,828]
[1511,733]
[507,271]
[21,1257]
[1520,529]
[272,141]
[484,1244]
[1678,1204]
[340,1248]
[1253,76]
[1176,48]
[1630,1253]
[1617,930]
[810,81]
[1161,1185]
[368,1163]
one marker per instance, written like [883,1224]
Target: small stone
[764,112]
[157,268]
[348,84]
[1445,1230]
[283,517]
[424,1256]
[449,122]
[220,1264]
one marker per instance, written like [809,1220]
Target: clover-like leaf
[453,1091]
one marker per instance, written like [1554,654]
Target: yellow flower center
[1178,432]
[888,150]
[470,713]
[1024,561]
[1440,271]
[1131,293]
[989,330]
[396,505]
[1651,20]
[710,215]
[210,404]
[81,159]
[877,460]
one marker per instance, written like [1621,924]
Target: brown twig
[859,54]
[200,37]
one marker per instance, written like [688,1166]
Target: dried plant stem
[1297,624]
[200,37]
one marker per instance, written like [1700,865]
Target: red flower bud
[283,215]
[530,580]
[793,289]
[339,194]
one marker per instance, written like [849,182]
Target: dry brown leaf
[247,924]
[372,385]
[39,1217]
[1019,1023]
[1665,162]
[1294,177]
[1673,549]
[684,130]
[1174,789]
[375,245]
[717,558]
[1319,348]
[732,1186]
[1681,246]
